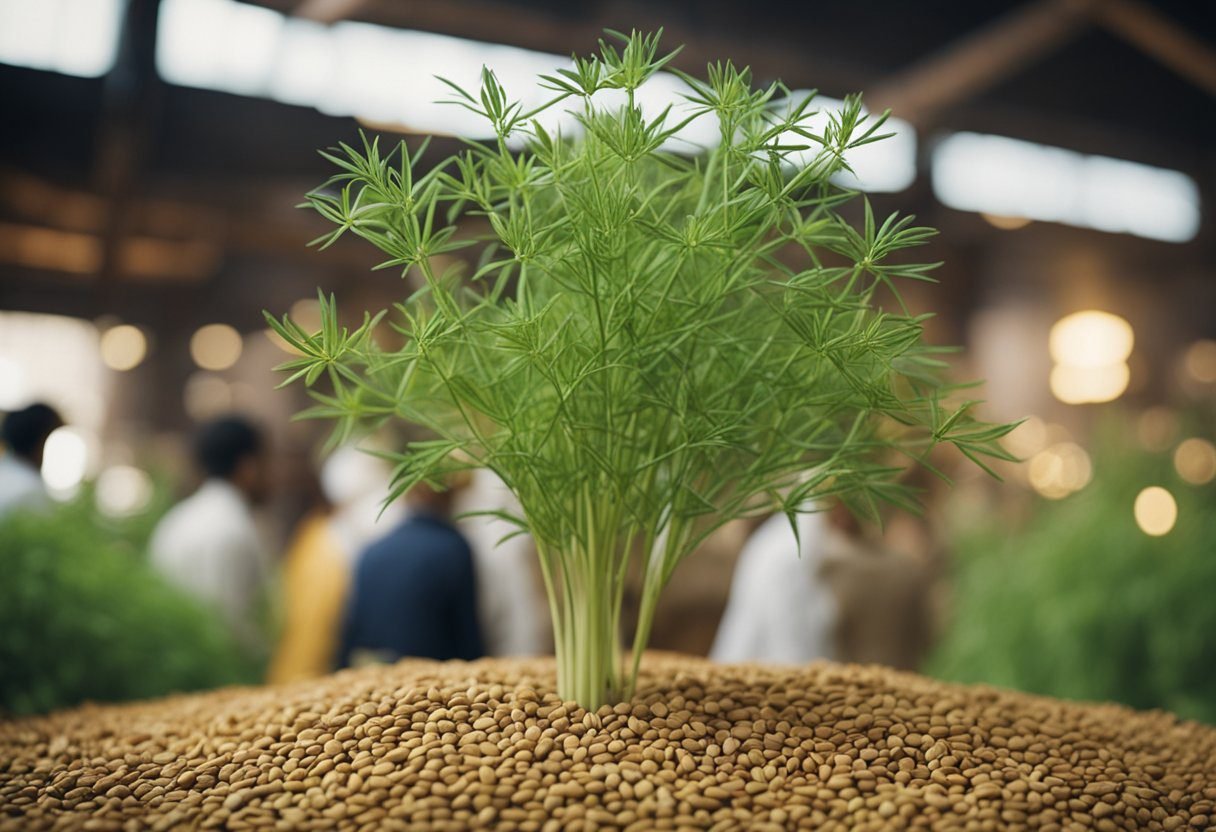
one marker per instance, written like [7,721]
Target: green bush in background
[82,617]
[1080,603]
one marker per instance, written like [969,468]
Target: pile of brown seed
[421,745]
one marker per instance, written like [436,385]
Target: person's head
[842,518]
[25,431]
[437,500]
[231,448]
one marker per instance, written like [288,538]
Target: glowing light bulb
[1091,339]
[1155,511]
[65,459]
[123,490]
[123,347]
[1200,361]
[215,346]
[1060,470]
[1090,349]
[1195,461]
[1156,428]
[1085,385]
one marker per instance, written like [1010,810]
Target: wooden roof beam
[981,59]
[1162,39]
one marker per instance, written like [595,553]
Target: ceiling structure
[167,205]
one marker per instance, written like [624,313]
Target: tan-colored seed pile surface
[487,745]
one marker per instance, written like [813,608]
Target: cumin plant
[632,352]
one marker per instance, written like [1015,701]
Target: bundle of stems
[646,344]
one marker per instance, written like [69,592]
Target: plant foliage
[1080,603]
[82,617]
[650,344]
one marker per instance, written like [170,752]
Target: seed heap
[422,745]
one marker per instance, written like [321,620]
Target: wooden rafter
[1162,39]
[981,59]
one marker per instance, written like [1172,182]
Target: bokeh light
[1060,470]
[123,347]
[1156,428]
[278,340]
[205,396]
[306,312]
[1091,339]
[1090,349]
[1028,438]
[123,490]
[1086,385]
[65,459]
[215,346]
[1155,511]
[1199,361]
[1195,461]
[1005,222]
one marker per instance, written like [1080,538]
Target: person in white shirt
[510,600]
[841,595]
[779,610]
[208,545]
[24,435]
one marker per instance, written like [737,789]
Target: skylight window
[75,37]
[381,75]
[888,165]
[1014,178]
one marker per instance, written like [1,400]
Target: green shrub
[82,617]
[1080,603]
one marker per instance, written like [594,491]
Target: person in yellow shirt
[319,562]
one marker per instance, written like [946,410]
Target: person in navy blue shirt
[414,591]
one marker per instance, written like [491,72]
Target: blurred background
[151,161]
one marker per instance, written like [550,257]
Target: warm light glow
[307,313]
[123,347]
[206,396]
[1090,349]
[1156,428]
[1195,460]
[1060,470]
[123,490]
[278,340]
[1082,385]
[65,459]
[1009,177]
[1005,223]
[1155,510]
[1091,339]
[1200,361]
[1028,438]
[215,346]
[50,249]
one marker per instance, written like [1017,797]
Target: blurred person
[320,559]
[414,592]
[779,608]
[24,435]
[883,596]
[208,544]
[510,600]
[839,595]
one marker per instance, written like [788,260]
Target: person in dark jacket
[414,591]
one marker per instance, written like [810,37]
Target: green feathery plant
[633,352]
